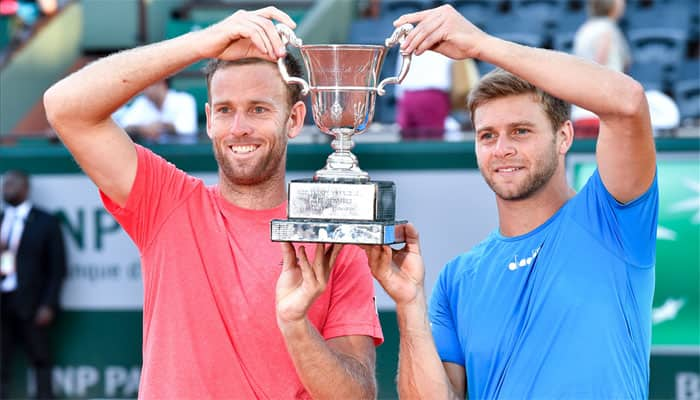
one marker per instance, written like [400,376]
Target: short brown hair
[499,83]
[293,69]
[600,8]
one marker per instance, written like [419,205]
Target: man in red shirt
[227,312]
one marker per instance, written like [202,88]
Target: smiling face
[249,122]
[516,147]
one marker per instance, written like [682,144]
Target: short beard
[262,174]
[533,183]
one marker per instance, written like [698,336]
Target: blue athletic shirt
[563,311]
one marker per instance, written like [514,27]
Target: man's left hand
[301,282]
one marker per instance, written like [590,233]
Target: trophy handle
[288,37]
[397,37]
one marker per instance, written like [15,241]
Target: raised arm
[80,106]
[625,148]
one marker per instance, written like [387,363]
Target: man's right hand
[400,272]
[245,34]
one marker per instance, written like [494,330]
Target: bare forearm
[92,94]
[421,373]
[324,372]
[586,84]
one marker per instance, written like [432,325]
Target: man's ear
[296,119]
[207,113]
[565,137]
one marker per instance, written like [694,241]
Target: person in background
[600,40]
[161,114]
[32,269]
[556,302]
[423,98]
[228,314]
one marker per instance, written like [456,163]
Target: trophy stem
[342,165]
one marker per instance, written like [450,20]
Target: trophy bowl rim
[343,46]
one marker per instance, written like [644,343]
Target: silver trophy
[340,204]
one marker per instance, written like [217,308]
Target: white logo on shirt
[523,262]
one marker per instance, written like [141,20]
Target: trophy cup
[341,204]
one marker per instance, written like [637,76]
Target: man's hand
[443,30]
[400,272]
[245,34]
[301,282]
[44,316]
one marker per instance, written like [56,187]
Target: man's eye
[259,110]
[223,110]
[522,131]
[486,136]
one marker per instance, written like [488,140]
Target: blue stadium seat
[570,21]
[689,69]
[563,41]
[370,31]
[395,8]
[687,96]
[509,23]
[476,11]
[676,14]
[545,12]
[651,75]
[484,68]
[663,45]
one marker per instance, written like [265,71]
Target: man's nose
[504,146]
[240,125]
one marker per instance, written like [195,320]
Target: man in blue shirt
[556,303]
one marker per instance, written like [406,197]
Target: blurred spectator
[369,8]
[423,98]
[32,268]
[160,114]
[600,40]
[465,76]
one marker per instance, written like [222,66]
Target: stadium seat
[570,21]
[476,11]
[563,41]
[663,45]
[651,75]
[545,12]
[508,24]
[674,15]
[370,31]
[687,96]
[395,8]
[484,68]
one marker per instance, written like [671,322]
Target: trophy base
[348,232]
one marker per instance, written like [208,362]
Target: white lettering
[687,386]
[117,377]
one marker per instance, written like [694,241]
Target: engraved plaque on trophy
[340,204]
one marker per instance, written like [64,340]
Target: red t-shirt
[209,275]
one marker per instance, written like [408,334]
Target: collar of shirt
[20,211]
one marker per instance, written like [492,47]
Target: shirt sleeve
[442,323]
[159,187]
[352,308]
[629,230]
